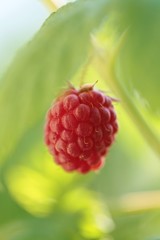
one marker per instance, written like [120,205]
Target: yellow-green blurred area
[116,43]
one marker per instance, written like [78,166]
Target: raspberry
[80,128]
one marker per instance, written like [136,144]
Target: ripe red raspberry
[80,128]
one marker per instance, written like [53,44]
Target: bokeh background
[117,43]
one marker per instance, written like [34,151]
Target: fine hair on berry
[80,128]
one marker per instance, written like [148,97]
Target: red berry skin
[80,129]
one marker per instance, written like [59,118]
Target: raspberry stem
[84,70]
[110,75]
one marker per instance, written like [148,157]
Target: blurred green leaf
[41,69]
[137,225]
[10,210]
[139,57]
[36,75]
[138,88]
[136,215]
[87,218]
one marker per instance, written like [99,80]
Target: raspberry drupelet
[80,128]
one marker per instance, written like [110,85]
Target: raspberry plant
[39,201]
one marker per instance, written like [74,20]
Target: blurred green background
[116,43]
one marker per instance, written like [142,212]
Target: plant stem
[85,69]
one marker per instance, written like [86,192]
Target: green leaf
[128,76]
[35,77]
[139,56]
[41,69]
[137,226]
[10,210]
